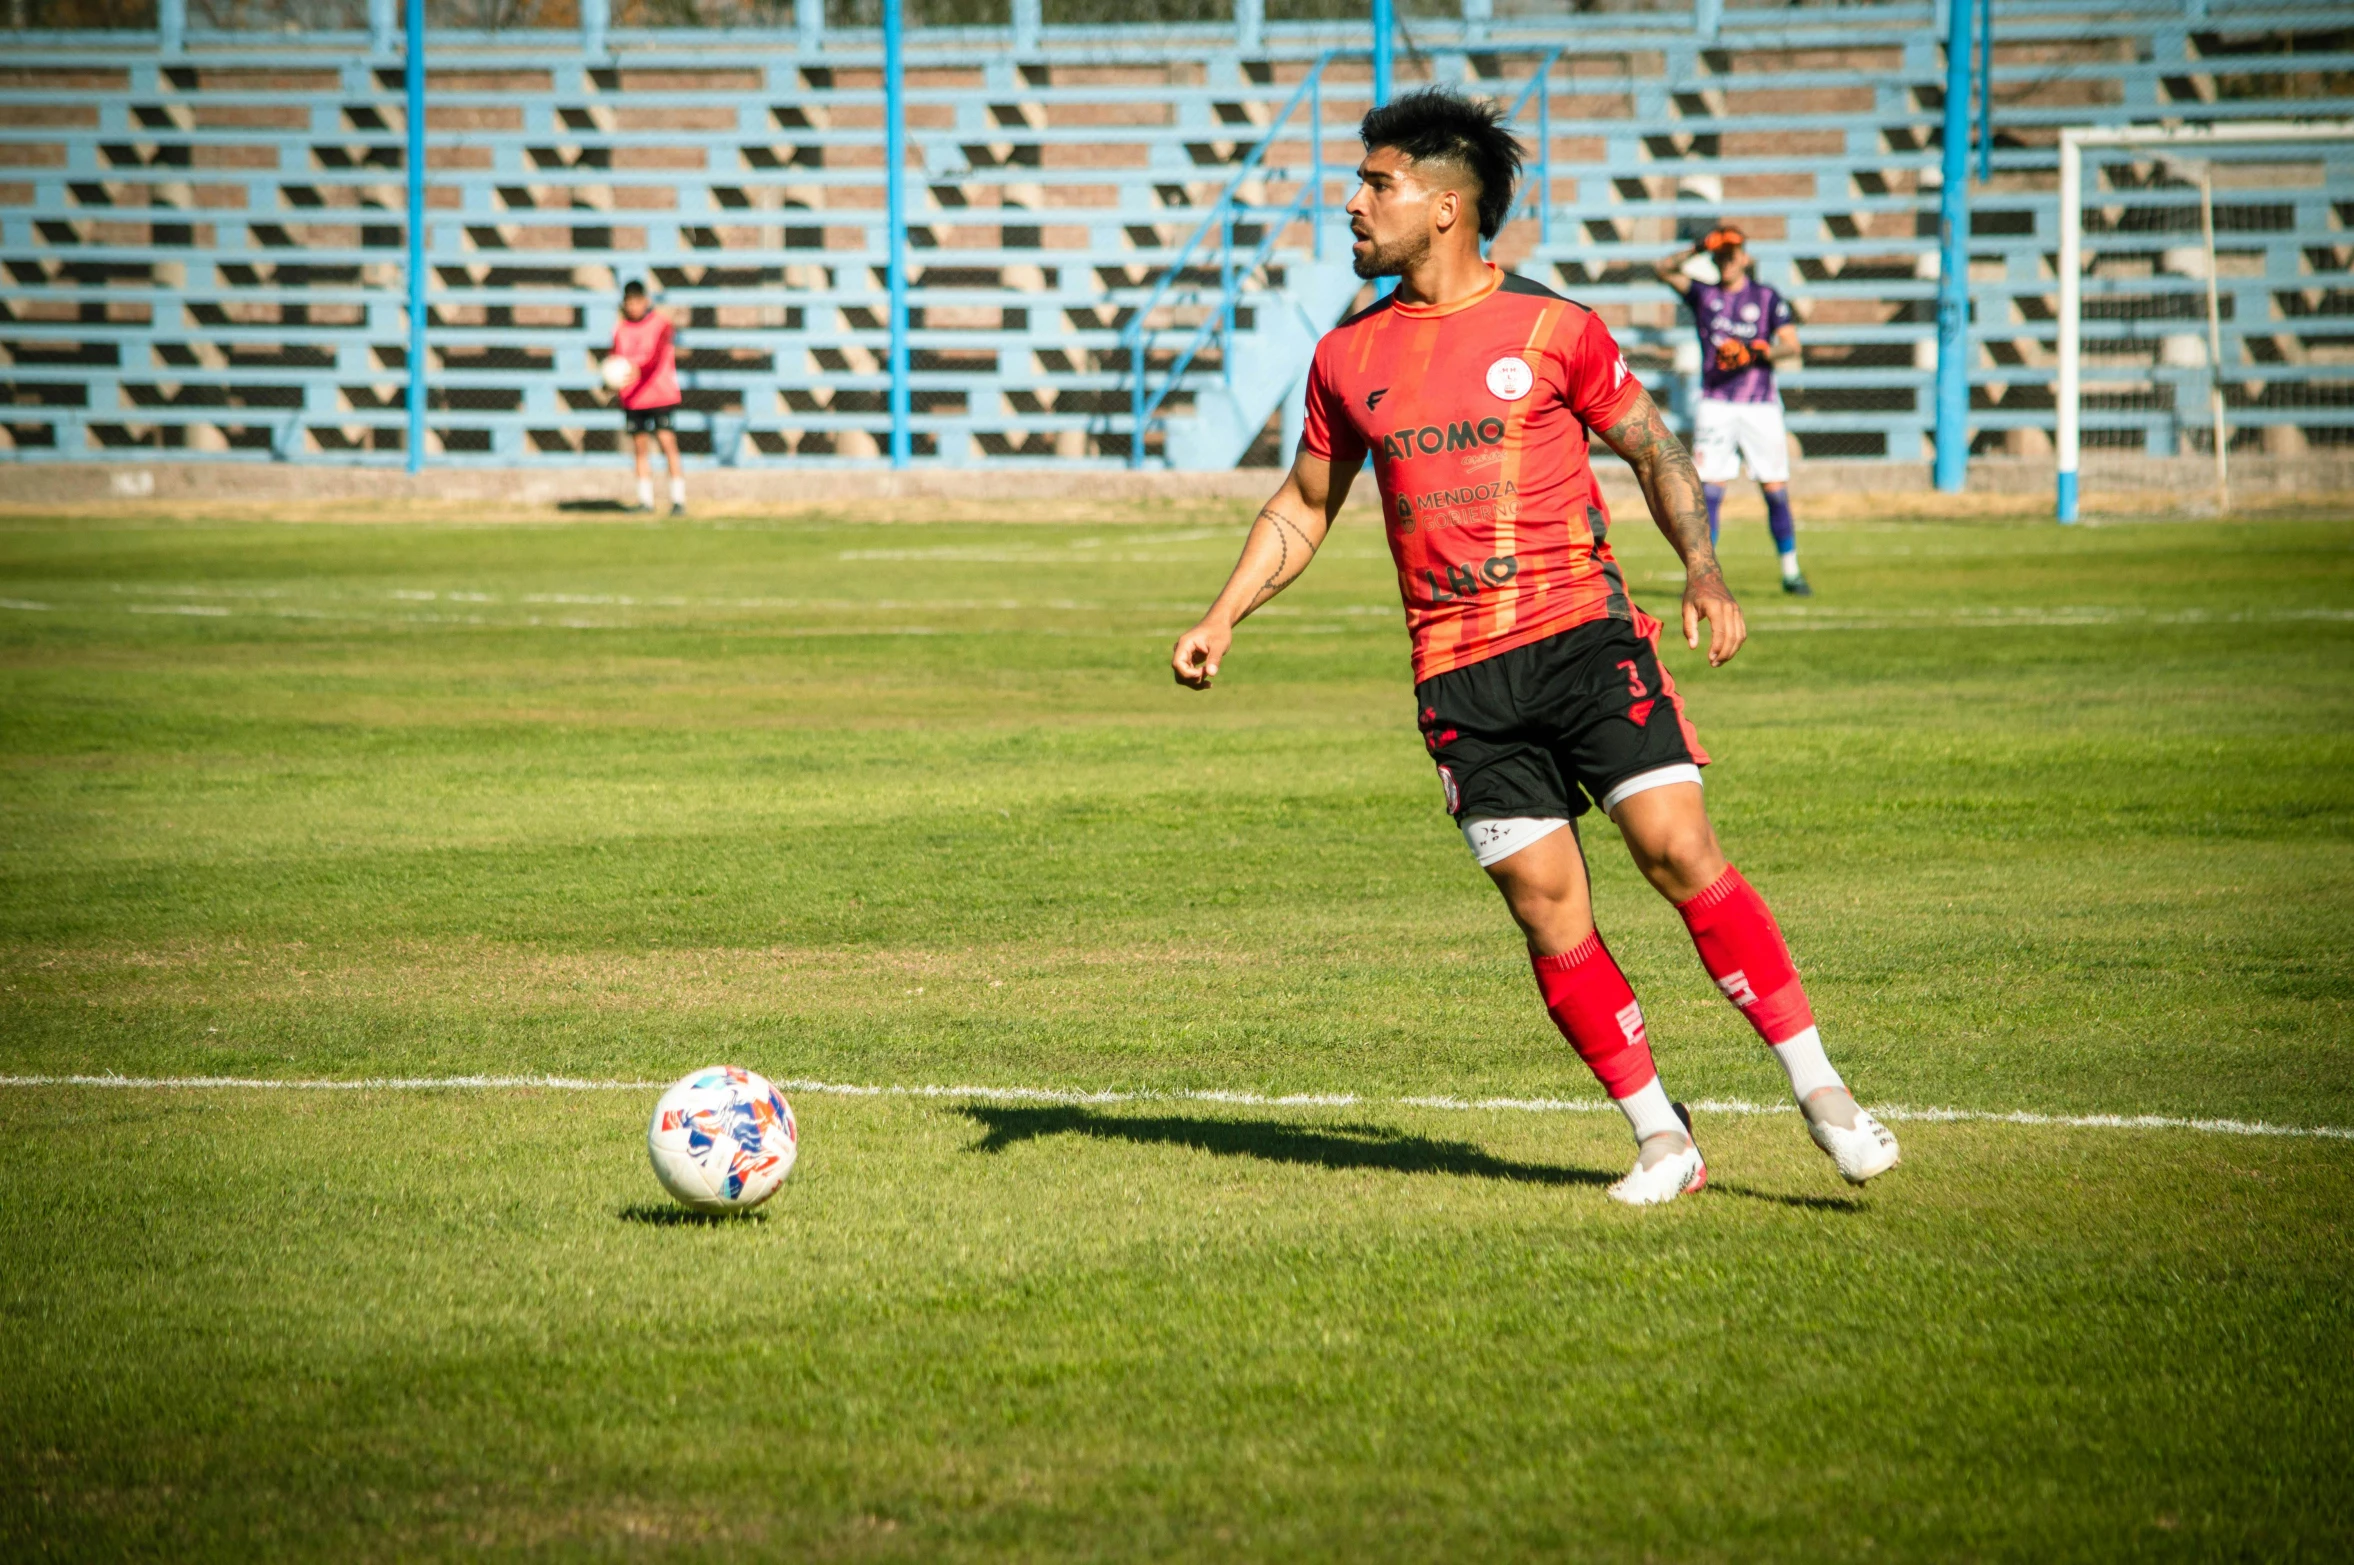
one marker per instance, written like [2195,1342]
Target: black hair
[633,289]
[1437,126]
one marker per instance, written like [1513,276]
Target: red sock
[1741,946]
[1596,1011]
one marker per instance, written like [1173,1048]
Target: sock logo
[1630,1022]
[1735,987]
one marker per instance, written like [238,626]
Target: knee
[1683,860]
[1554,917]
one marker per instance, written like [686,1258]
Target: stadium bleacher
[202,237]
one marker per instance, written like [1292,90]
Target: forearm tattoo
[1294,550]
[1670,485]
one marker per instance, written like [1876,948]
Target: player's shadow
[1273,1141]
[1811,1203]
[598,506]
[652,1216]
[1320,1146]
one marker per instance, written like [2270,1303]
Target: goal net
[2206,307]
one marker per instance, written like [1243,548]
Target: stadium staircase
[1124,241]
[1238,294]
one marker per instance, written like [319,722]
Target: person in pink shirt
[648,402]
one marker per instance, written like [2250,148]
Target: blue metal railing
[895,228]
[1537,182]
[413,87]
[1145,402]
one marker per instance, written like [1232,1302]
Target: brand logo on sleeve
[1510,379]
[1373,398]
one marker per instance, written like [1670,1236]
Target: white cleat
[1861,1153]
[1679,1173]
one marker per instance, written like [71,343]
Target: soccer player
[1538,680]
[644,337]
[1744,326]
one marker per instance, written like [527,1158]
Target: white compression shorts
[1494,841]
[1726,434]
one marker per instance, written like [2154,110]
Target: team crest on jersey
[1510,378]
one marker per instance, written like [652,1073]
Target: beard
[1391,260]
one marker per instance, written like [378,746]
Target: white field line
[1728,1106]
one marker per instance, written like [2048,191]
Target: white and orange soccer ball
[722,1140]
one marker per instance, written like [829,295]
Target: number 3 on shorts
[1635,686]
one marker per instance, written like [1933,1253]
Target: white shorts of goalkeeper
[1727,434]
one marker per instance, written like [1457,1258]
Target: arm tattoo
[1670,485]
[1294,550]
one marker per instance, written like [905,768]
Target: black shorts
[1538,730]
[644,421]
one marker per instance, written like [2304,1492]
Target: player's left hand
[1707,598]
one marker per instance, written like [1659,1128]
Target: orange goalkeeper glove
[1735,353]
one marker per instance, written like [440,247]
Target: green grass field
[2059,822]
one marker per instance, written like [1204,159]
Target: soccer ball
[722,1140]
[618,372]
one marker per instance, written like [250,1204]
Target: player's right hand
[1195,659]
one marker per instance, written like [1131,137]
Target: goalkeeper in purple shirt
[1744,326]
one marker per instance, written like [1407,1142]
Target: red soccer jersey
[1476,416]
[648,343]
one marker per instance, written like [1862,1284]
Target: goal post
[2145,201]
